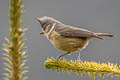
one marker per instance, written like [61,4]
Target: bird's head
[47,23]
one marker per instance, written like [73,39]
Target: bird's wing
[70,31]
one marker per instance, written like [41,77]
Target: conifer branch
[15,49]
[90,68]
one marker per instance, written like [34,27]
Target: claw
[59,57]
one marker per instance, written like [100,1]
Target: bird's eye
[44,26]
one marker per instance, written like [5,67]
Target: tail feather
[105,34]
[99,35]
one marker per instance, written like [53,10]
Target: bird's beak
[41,32]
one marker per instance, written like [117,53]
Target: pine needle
[90,68]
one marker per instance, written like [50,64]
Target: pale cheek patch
[50,31]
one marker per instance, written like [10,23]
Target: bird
[67,38]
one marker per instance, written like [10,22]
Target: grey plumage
[70,31]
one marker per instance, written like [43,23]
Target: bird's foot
[57,59]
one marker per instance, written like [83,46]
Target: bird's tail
[99,35]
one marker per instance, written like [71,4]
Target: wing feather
[70,31]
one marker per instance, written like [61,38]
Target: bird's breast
[67,44]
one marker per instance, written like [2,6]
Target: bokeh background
[94,15]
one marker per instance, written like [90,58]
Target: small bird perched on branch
[67,38]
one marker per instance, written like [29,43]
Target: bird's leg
[79,56]
[62,56]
